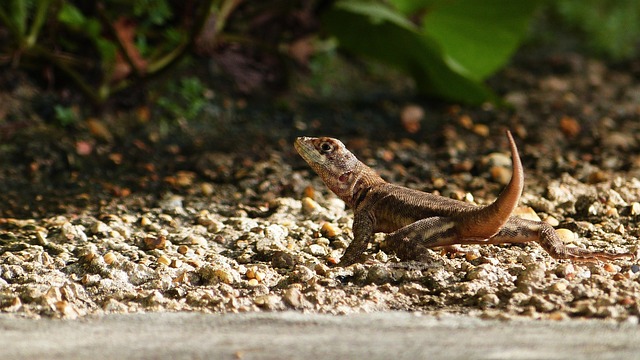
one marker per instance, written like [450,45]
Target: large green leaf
[375,30]
[478,36]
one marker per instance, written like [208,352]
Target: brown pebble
[330,231]
[89,256]
[439,183]
[309,192]
[558,316]
[552,221]
[164,260]
[144,221]
[500,174]
[471,255]
[619,277]
[176,263]
[569,126]
[465,121]
[559,287]
[627,301]
[309,205]
[194,263]
[109,258]
[527,213]
[182,278]
[597,177]
[481,129]
[566,235]
[207,189]
[608,267]
[155,242]
[184,178]
[410,117]
[183,249]
[251,272]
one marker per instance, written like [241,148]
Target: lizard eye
[326,147]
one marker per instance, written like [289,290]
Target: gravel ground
[250,228]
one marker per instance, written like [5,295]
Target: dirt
[121,214]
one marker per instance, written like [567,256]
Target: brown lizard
[415,220]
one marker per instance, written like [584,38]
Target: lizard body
[415,220]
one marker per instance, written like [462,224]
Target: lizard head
[330,159]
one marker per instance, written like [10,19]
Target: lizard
[414,220]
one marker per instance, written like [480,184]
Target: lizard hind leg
[522,231]
[550,241]
[411,241]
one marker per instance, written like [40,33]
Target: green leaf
[408,7]
[71,16]
[376,12]
[478,37]
[376,31]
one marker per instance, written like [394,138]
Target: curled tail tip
[518,172]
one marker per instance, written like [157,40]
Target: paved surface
[296,336]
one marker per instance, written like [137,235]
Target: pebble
[558,316]
[410,117]
[155,242]
[559,287]
[164,260]
[533,274]
[329,230]
[309,205]
[471,255]
[109,258]
[100,228]
[489,300]
[269,301]
[552,221]
[527,213]
[73,232]
[276,233]
[207,189]
[609,267]
[379,274]
[293,297]
[500,174]
[41,237]
[635,208]
[569,126]
[481,129]
[567,236]
[317,250]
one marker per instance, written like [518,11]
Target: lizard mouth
[305,148]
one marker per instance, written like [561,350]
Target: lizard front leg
[363,230]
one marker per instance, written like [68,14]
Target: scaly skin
[416,220]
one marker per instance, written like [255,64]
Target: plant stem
[38,21]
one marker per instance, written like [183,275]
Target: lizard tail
[487,221]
